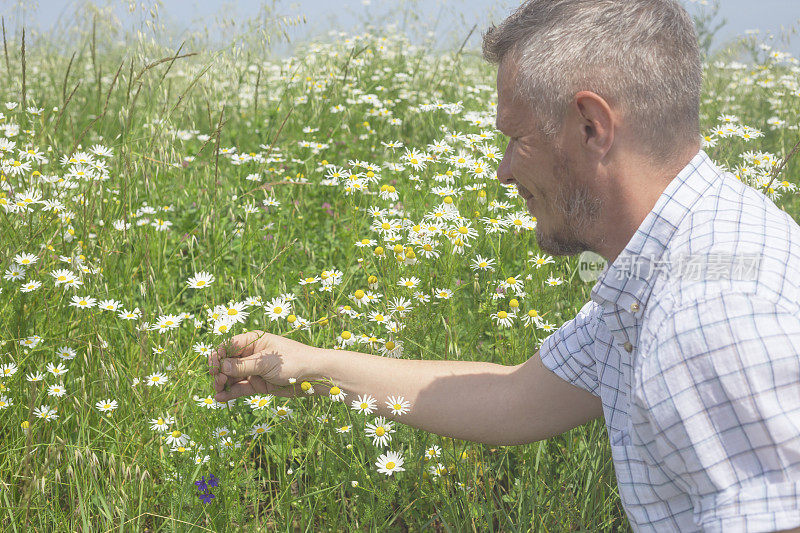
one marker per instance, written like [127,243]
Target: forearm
[461,399]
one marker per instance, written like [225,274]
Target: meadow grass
[358,163]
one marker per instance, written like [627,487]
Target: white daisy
[381,431]
[365,404]
[398,405]
[106,406]
[201,280]
[389,463]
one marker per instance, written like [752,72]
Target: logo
[590,266]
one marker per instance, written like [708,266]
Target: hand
[260,363]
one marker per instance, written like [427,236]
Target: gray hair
[641,56]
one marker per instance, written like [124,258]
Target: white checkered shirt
[692,341]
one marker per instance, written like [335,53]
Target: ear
[596,122]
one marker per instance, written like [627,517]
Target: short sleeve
[720,391]
[569,352]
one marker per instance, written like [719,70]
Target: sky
[450,20]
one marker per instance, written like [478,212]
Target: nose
[504,168]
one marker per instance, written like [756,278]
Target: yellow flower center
[335,390]
[379,431]
[389,465]
[232,312]
[390,345]
[359,294]
[346,335]
[502,314]
[262,402]
[201,282]
[176,433]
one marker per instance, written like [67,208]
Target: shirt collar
[628,281]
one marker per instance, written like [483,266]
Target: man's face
[546,176]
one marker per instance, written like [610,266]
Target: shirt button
[634,307]
[628,346]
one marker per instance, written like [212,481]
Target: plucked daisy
[106,406]
[5,402]
[389,463]
[398,405]
[381,431]
[365,404]
[201,280]
[344,429]
[34,377]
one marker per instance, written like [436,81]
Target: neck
[631,190]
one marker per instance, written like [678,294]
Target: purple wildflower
[201,485]
[212,481]
[206,497]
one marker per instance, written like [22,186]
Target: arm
[470,400]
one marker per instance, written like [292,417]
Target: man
[690,344]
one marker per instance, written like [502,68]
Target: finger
[213,363]
[259,384]
[219,382]
[243,388]
[242,345]
[256,365]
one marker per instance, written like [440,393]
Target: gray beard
[578,209]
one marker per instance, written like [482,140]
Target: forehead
[511,111]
